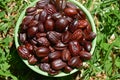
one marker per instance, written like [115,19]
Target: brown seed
[49,25]
[32,60]
[22,37]
[56,16]
[42,41]
[60,46]
[45,59]
[38,35]
[27,20]
[66,55]
[45,67]
[51,49]
[42,3]
[23,52]
[32,31]
[87,45]
[50,9]
[77,35]
[66,37]
[53,36]
[74,61]
[84,55]
[42,51]
[29,47]
[70,11]
[43,16]
[67,69]
[74,48]
[53,72]
[73,26]
[71,5]
[30,9]
[54,55]
[82,24]
[61,24]
[33,23]
[91,36]
[41,27]
[58,64]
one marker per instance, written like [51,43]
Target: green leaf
[105,46]
[108,67]
[2,14]
[117,62]
[117,42]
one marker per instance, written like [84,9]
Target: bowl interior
[36,68]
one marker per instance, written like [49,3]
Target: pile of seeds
[56,36]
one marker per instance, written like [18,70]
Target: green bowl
[36,68]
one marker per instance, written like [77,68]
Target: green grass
[105,62]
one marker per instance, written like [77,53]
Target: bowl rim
[35,68]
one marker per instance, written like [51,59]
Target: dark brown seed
[73,26]
[82,24]
[23,28]
[70,11]
[69,19]
[67,69]
[87,46]
[45,59]
[32,60]
[60,46]
[53,72]
[91,36]
[30,9]
[51,49]
[61,24]
[88,29]
[66,55]
[58,64]
[71,5]
[42,51]
[36,17]
[31,13]
[45,67]
[74,61]
[32,31]
[60,5]
[54,55]
[29,47]
[49,25]
[42,41]
[41,27]
[42,3]
[38,35]
[79,64]
[66,37]
[53,36]
[23,52]
[50,9]
[77,35]
[22,37]
[43,16]
[82,14]
[56,16]
[74,47]
[27,20]
[84,55]
[33,23]
[33,41]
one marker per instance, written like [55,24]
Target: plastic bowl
[36,68]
